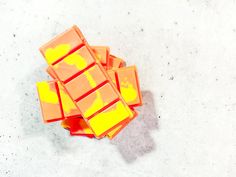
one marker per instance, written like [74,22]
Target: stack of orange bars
[92,92]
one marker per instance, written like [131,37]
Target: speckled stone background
[185,52]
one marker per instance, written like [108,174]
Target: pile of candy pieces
[92,92]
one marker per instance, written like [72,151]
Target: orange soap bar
[129,85]
[102,54]
[50,101]
[88,78]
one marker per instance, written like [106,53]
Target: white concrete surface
[185,51]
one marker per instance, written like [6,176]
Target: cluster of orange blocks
[92,92]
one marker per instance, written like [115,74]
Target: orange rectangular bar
[129,85]
[50,101]
[98,123]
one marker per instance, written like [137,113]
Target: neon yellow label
[53,54]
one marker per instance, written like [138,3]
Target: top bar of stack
[84,79]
